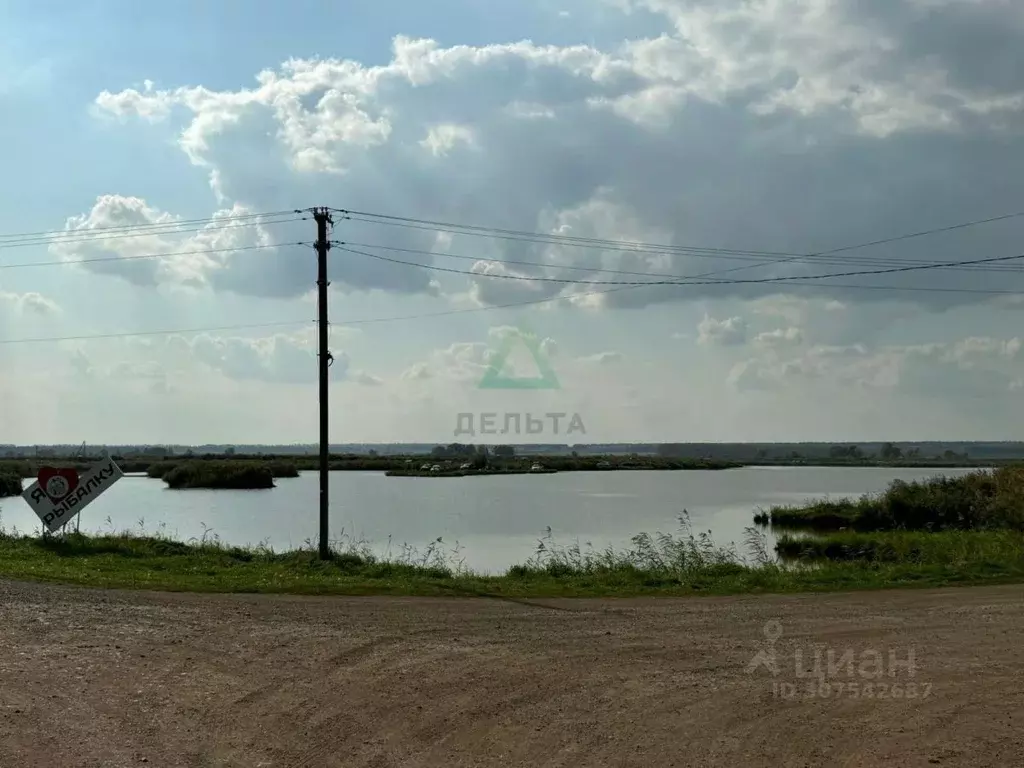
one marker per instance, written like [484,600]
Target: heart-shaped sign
[57,482]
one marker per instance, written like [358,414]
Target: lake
[495,520]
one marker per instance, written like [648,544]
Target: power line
[884,241]
[165,332]
[82,236]
[487,230]
[587,268]
[100,259]
[489,308]
[584,294]
[120,227]
[762,258]
[368,217]
[677,281]
[609,245]
[855,273]
[924,233]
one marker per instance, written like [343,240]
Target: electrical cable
[119,227]
[587,268]
[469,310]
[855,273]
[83,236]
[99,259]
[763,258]
[625,245]
[677,281]
[165,332]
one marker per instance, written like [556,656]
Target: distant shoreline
[420,465]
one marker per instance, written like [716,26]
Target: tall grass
[977,501]
[658,555]
[278,467]
[955,547]
[10,484]
[219,475]
[651,564]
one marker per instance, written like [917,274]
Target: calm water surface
[495,520]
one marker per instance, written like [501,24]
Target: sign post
[60,493]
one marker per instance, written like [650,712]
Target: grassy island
[236,475]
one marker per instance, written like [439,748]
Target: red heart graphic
[57,482]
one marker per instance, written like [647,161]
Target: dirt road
[91,678]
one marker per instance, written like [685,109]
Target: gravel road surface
[96,678]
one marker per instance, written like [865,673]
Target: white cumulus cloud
[781,115]
[729,332]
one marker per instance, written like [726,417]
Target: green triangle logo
[493,378]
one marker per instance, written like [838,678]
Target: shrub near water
[219,475]
[944,547]
[977,501]
[278,468]
[10,484]
[158,469]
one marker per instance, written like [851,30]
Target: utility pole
[323,245]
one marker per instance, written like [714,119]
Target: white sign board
[61,493]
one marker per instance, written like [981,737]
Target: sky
[598,141]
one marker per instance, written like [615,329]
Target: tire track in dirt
[281,682]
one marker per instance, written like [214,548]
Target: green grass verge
[963,549]
[650,565]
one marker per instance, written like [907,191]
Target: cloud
[465,362]
[366,379]
[417,372]
[783,116]
[29,303]
[282,358]
[155,377]
[441,139]
[739,140]
[151,374]
[729,332]
[888,67]
[126,236]
[779,337]
[971,367]
[603,358]
[81,364]
[828,320]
